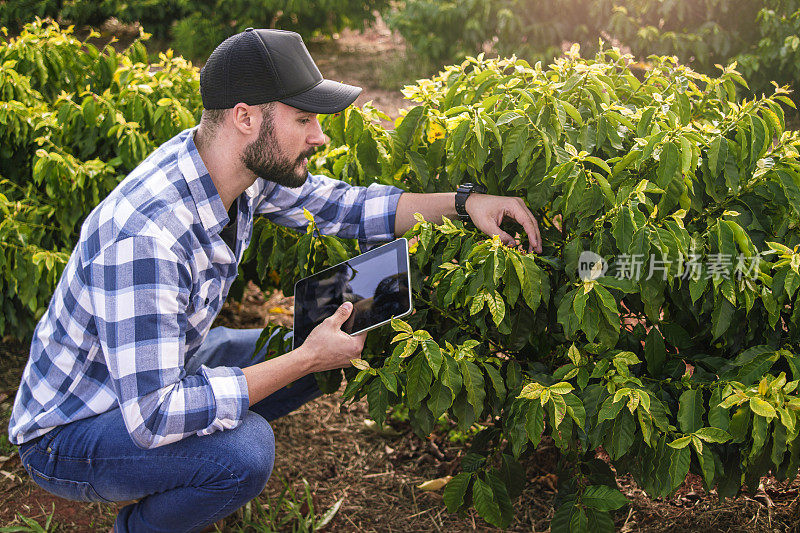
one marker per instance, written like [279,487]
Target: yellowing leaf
[760,407]
[360,364]
[435,484]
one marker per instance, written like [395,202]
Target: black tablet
[378,283]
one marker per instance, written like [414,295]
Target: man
[127,395]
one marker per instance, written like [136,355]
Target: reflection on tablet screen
[376,282]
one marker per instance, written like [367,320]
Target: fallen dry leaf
[435,484]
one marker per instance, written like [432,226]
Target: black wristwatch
[462,193]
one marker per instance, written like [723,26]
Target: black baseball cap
[258,66]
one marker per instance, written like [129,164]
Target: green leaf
[500,494]
[420,377]
[599,521]
[686,154]
[433,354]
[790,189]
[721,318]
[667,165]
[654,352]
[572,112]
[643,126]
[420,166]
[378,398]
[599,162]
[562,518]
[705,457]
[483,499]
[575,409]
[713,435]
[473,383]
[410,124]
[609,410]
[690,411]
[623,228]
[603,498]
[679,466]
[454,491]
[440,400]
[513,145]
[758,135]
[534,421]
[478,301]
[578,523]
[760,407]
[681,443]
[559,409]
[497,307]
[497,381]
[717,155]
[623,434]
[451,374]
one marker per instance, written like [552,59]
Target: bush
[206,24]
[74,120]
[762,36]
[195,28]
[669,374]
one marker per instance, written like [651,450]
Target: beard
[263,158]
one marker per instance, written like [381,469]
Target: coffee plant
[195,28]
[762,35]
[687,364]
[74,120]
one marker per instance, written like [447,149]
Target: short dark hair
[212,118]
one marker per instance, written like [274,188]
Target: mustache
[307,153]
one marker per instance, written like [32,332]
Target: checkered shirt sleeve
[350,212]
[140,289]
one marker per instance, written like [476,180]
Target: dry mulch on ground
[334,448]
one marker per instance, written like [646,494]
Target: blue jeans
[183,486]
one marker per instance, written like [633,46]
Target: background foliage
[74,120]
[195,28]
[762,35]
[670,374]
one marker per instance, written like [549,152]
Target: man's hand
[329,347]
[487,213]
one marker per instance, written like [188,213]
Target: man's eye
[305,121]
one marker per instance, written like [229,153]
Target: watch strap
[462,193]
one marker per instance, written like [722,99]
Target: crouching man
[127,395]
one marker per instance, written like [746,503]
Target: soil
[335,448]
[338,452]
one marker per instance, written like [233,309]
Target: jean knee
[255,453]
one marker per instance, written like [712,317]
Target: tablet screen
[376,282]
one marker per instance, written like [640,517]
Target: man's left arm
[486,212]
[379,212]
[340,209]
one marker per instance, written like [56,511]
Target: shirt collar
[204,193]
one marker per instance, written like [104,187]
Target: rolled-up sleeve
[340,209]
[140,289]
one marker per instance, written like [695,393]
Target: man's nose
[316,137]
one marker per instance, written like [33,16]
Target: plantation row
[763,36]
[669,373]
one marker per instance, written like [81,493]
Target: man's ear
[243,119]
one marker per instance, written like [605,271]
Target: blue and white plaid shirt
[143,285]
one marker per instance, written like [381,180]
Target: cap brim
[326,97]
